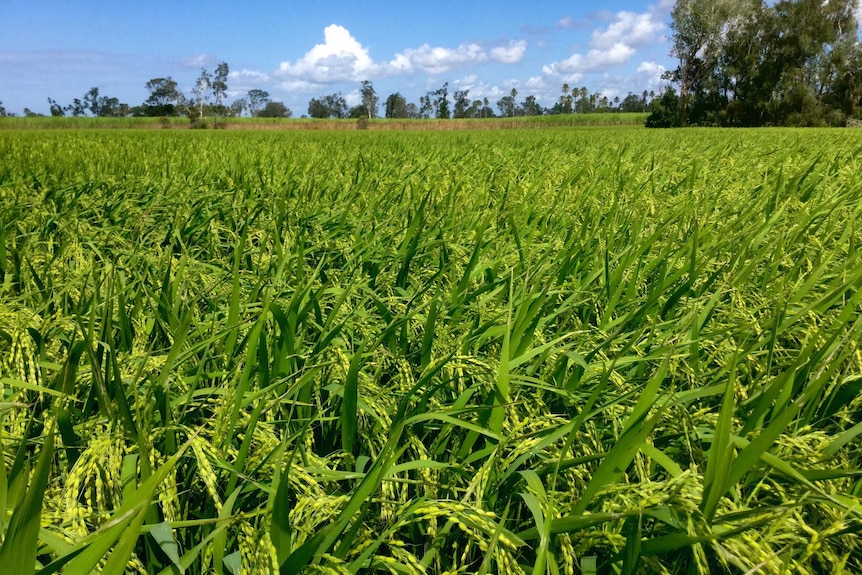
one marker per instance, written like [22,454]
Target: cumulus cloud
[629,28]
[435,60]
[512,53]
[650,75]
[612,46]
[244,76]
[300,86]
[340,58]
[593,61]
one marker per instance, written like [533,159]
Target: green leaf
[18,554]
[349,410]
[279,529]
[233,562]
[632,552]
[163,535]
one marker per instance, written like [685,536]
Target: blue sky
[297,51]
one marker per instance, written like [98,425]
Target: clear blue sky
[300,50]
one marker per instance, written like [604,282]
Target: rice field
[531,351]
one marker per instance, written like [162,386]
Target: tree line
[208,99]
[444,104]
[753,63]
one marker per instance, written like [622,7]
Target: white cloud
[609,47]
[615,55]
[437,59]
[566,22]
[511,53]
[650,75]
[198,61]
[467,82]
[340,58]
[536,83]
[629,28]
[243,76]
[301,86]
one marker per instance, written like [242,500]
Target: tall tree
[506,105]
[256,100]
[76,108]
[441,102]
[337,105]
[566,100]
[369,99]
[238,106]
[331,106]
[425,105]
[514,94]
[219,88]
[219,82]
[462,104]
[396,106]
[746,62]
[317,108]
[698,27]
[201,90]
[530,107]
[163,92]
[55,108]
[92,101]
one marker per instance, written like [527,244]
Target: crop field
[571,350]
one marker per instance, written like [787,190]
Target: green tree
[218,86]
[462,104]
[275,110]
[566,100]
[396,106]
[441,102]
[697,27]
[92,101]
[530,107]
[55,108]
[506,105]
[370,99]
[163,97]
[331,106]
[317,109]
[665,111]
[238,106]
[2,110]
[514,108]
[256,100]
[337,105]
[425,105]
[746,62]
[201,91]
[76,108]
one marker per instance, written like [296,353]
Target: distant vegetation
[753,63]
[263,122]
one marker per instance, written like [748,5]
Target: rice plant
[563,351]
